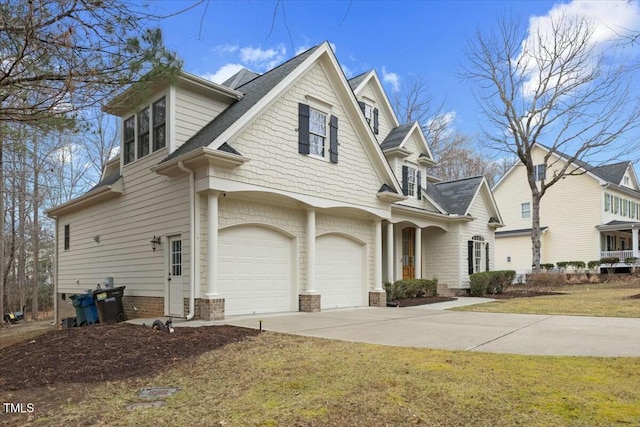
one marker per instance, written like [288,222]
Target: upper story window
[411,182]
[626,180]
[149,124]
[526,210]
[67,237]
[317,132]
[315,127]
[371,114]
[368,113]
[159,127]
[129,139]
[539,172]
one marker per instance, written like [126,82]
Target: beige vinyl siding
[279,165]
[570,209]
[150,205]
[516,247]
[192,112]
[385,123]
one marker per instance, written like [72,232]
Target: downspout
[192,239]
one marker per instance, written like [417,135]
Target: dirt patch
[100,353]
[636,296]
[412,302]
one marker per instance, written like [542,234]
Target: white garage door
[339,272]
[254,270]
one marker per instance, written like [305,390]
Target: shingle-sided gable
[370,90]
[271,141]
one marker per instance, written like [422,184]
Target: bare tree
[452,149]
[549,86]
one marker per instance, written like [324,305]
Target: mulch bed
[107,353]
[412,302]
[523,294]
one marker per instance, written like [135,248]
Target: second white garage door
[339,271]
[255,267]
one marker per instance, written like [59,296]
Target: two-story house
[292,190]
[590,214]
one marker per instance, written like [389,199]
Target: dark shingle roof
[241,77]
[385,187]
[355,81]
[108,180]
[253,91]
[455,196]
[612,173]
[228,149]
[396,136]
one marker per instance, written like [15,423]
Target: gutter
[192,240]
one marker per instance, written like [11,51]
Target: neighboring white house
[591,214]
[292,190]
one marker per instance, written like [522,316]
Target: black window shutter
[470,255]
[375,121]
[487,257]
[361,104]
[405,180]
[333,139]
[419,179]
[303,129]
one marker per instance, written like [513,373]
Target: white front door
[176,297]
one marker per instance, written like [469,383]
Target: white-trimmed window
[478,254]
[625,180]
[145,132]
[317,132]
[411,182]
[607,202]
[368,113]
[539,172]
[525,208]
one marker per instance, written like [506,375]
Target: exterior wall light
[155,242]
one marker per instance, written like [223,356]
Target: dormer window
[625,180]
[411,182]
[368,113]
[371,114]
[145,132]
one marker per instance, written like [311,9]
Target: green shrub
[577,265]
[592,265]
[610,260]
[547,280]
[546,267]
[631,260]
[491,282]
[562,265]
[411,288]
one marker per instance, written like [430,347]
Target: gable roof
[455,196]
[396,136]
[240,78]
[354,82]
[254,91]
[612,173]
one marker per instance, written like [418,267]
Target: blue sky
[399,39]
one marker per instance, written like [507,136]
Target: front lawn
[601,299]
[276,379]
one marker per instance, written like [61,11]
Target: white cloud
[443,124]
[301,49]
[391,78]
[333,47]
[223,73]
[226,48]
[263,59]
[609,20]
[347,71]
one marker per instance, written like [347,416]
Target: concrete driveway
[432,326]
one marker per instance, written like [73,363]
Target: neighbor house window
[67,236]
[607,202]
[317,132]
[539,172]
[159,127]
[625,207]
[129,140]
[625,180]
[616,205]
[143,133]
[526,210]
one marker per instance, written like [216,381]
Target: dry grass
[602,300]
[287,380]
[22,331]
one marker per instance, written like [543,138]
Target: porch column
[417,262]
[212,245]
[634,241]
[311,250]
[378,255]
[390,245]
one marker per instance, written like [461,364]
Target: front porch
[619,239]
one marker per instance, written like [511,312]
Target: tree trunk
[535,231]
[2,259]
[36,232]
[22,219]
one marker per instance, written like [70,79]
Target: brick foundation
[377,299]
[309,303]
[145,307]
[210,309]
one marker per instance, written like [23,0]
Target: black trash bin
[109,304]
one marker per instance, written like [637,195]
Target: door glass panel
[176,258]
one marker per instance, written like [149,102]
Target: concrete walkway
[431,326]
